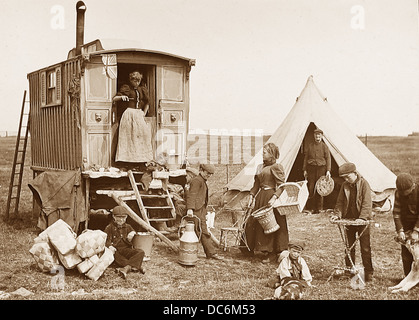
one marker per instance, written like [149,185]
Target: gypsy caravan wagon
[74,126]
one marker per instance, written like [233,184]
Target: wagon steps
[120,198]
[154,205]
[142,223]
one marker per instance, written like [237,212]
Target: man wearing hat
[354,203]
[406,215]
[317,163]
[196,204]
[119,240]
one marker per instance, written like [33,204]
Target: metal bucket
[266,218]
[144,241]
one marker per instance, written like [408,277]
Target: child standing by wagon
[196,204]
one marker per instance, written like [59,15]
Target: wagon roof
[101,46]
[106,46]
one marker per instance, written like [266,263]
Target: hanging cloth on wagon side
[60,196]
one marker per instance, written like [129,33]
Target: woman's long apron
[134,143]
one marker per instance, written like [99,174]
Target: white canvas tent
[313,110]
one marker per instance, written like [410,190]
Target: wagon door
[173,113]
[97,134]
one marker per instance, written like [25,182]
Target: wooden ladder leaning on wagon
[12,206]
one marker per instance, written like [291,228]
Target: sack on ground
[42,237]
[87,264]
[97,270]
[61,236]
[90,242]
[70,260]
[45,256]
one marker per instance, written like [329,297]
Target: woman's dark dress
[267,179]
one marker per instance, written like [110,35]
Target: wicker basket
[324,186]
[293,197]
[265,216]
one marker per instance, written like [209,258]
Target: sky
[253,57]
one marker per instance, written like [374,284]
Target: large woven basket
[265,216]
[293,197]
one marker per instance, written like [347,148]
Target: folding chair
[235,236]
[342,225]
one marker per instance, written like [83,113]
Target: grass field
[236,278]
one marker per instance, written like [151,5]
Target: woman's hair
[135,75]
[272,149]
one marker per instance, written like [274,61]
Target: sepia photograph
[209,157]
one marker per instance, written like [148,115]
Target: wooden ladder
[150,206]
[15,186]
[134,185]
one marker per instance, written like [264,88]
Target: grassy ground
[236,278]
[399,154]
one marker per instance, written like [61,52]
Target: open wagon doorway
[149,82]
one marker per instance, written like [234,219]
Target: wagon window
[51,80]
[173,83]
[97,83]
[51,87]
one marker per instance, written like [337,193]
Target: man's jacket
[317,154]
[197,196]
[406,210]
[363,199]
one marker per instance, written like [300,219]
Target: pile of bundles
[59,245]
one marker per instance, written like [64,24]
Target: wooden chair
[234,236]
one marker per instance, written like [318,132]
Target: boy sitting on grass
[119,240]
[292,275]
[292,264]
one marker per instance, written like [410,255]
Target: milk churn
[188,250]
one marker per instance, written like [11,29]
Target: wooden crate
[293,197]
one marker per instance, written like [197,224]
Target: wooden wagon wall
[55,127]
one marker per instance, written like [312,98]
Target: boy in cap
[317,163]
[292,264]
[196,204]
[119,240]
[292,275]
[354,203]
[406,215]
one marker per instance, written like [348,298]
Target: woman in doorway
[268,177]
[134,142]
